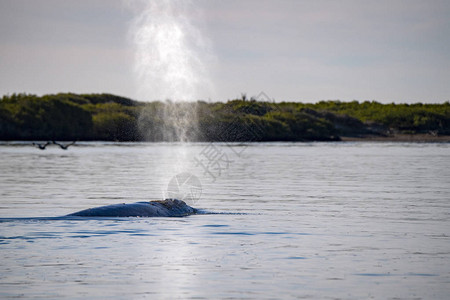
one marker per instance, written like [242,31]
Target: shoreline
[401,138]
[414,138]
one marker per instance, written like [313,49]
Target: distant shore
[106,117]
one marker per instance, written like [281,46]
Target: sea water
[291,220]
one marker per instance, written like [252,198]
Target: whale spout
[162,208]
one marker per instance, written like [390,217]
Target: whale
[157,208]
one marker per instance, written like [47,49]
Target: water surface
[309,220]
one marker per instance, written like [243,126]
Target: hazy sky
[390,51]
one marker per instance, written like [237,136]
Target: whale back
[163,208]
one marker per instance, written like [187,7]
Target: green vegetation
[113,118]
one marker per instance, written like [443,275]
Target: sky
[388,51]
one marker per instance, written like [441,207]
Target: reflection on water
[320,220]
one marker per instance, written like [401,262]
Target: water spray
[171,64]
